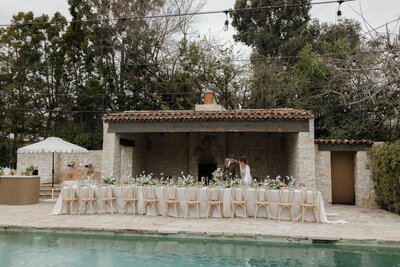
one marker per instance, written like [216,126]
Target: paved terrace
[366,226]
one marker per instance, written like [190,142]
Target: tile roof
[343,142]
[219,115]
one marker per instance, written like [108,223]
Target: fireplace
[206,170]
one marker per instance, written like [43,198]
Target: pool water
[54,249]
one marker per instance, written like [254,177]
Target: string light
[182,14]
[29,37]
[339,12]
[124,34]
[226,25]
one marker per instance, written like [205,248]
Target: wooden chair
[309,201]
[106,197]
[149,198]
[286,196]
[262,200]
[86,197]
[129,195]
[192,199]
[214,200]
[238,199]
[170,199]
[68,197]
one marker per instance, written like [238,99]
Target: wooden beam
[213,126]
[343,147]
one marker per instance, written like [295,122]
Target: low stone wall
[62,172]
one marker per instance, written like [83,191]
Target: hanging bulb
[124,34]
[284,66]
[226,24]
[29,37]
[339,14]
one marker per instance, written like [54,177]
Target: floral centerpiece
[273,183]
[145,179]
[108,180]
[233,182]
[290,181]
[186,180]
[217,174]
[278,182]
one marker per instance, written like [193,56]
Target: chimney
[209,104]
[208,98]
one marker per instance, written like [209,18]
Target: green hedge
[385,161]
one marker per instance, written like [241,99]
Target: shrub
[385,161]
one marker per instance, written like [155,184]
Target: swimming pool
[57,249]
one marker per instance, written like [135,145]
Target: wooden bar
[19,190]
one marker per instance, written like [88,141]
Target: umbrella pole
[52,180]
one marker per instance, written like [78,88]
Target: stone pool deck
[366,226]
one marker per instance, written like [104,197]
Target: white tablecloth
[225,197]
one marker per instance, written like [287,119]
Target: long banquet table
[226,198]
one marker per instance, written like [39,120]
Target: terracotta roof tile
[220,115]
[344,142]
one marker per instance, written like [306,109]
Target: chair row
[130,197]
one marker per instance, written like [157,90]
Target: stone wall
[171,153]
[266,152]
[301,156]
[62,172]
[323,174]
[364,186]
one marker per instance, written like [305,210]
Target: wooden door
[342,173]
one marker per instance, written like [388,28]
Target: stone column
[363,184]
[111,157]
[126,162]
[323,178]
[305,157]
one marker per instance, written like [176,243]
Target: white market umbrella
[52,145]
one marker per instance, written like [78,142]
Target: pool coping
[223,236]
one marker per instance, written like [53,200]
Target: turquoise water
[51,249]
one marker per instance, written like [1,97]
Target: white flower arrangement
[108,180]
[233,182]
[277,183]
[144,179]
[217,174]
[187,180]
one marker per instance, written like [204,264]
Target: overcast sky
[376,12]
